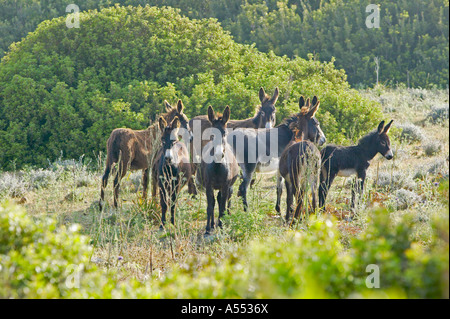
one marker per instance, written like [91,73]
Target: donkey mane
[290,120]
[366,140]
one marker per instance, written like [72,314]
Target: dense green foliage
[65,90]
[40,260]
[412,42]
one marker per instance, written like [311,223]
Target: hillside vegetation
[411,43]
[64,90]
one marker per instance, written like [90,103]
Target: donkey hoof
[277,208]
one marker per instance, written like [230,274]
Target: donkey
[300,164]
[260,150]
[174,167]
[265,117]
[351,160]
[219,172]
[134,150]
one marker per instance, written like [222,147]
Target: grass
[128,240]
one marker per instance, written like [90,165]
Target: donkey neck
[285,137]
[256,120]
[366,151]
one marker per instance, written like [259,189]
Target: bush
[41,178]
[432,148]
[404,199]
[313,264]
[438,115]
[35,256]
[66,89]
[38,260]
[12,185]
[411,133]
[394,180]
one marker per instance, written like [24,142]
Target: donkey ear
[308,102]
[175,126]
[388,127]
[226,115]
[314,109]
[262,95]
[176,123]
[167,106]
[380,127]
[211,115]
[180,107]
[314,100]
[162,124]
[301,103]
[274,98]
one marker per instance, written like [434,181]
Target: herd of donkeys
[210,152]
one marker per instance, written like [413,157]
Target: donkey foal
[351,160]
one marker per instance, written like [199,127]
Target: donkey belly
[268,168]
[347,172]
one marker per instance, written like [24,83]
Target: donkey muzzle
[389,155]
[322,141]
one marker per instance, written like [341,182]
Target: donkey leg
[247,176]
[358,188]
[325,184]
[299,201]
[145,180]
[104,184]
[279,192]
[210,210]
[289,199]
[192,189]
[298,189]
[120,174]
[230,193]
[154,178]
[224,196]
[173,206]
[163,203]
[314,199]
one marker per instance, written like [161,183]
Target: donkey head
[169,136]
[307,127]
[177,111]
[266,113]
[219,123]
[382,141]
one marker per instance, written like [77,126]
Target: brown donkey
[174,169]
[220,170]
[134,150]
[300,163]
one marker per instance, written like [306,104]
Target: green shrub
[405,266]
[313,264]
[38,260]
[65,90]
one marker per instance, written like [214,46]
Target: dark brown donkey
[220,170]
[174,169]
[351,160]
[300,163]
[134,150]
